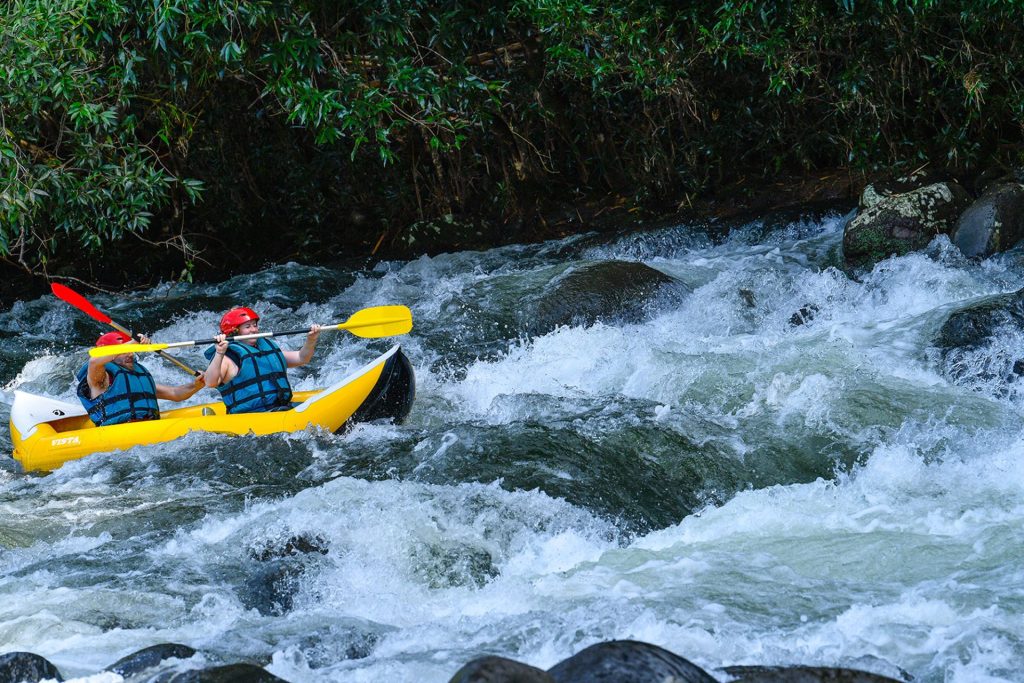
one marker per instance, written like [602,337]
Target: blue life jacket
[130,396]
[262,381]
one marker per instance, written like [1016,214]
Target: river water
[713,479]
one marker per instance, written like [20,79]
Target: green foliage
[73,168]
[882,81]
[192,119]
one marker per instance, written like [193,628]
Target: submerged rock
[621,291]
[976,327]
[272,585]
[901,223]
[231,673]
[627,661]
[993,223]
[271,589]
[802,674]
[454,564]
[500,670]
[300,543]
[806,314]
[16,667]
[235,673]
[149,657]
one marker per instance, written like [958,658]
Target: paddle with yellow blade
[70,296]
[378,321]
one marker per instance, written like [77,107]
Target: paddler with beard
[116,389]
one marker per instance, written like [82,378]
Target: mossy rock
[902,223]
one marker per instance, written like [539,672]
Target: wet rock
[805,315]
[902,223]
[294,545]
[149,657]
[610,291]
[975,327]
[499,670]
[271,589]
[802,674]
[16,667]
[627,661]
[993,223]
[748,298]
[456,565]
[325,647]
[232,673]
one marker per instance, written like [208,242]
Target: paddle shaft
[70,296]
[243,337]
[371,323]
[162,354]
[353,322]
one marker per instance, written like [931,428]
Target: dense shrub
[296,127]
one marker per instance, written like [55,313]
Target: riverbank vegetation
[176,138]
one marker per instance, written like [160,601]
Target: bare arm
[296,358]
[221,369]
[97,377]
[181,391]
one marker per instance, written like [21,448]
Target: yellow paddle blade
[378,321]
[118,349]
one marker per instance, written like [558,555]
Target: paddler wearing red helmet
[116,389]
[251,374]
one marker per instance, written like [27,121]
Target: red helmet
[234,318]
[111,338]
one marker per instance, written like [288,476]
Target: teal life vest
[130,396]
[262,381]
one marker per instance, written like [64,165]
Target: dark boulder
[149,657]
[802,674]
[16,667]
[627,661]
[993,223]
[974,328]
[902,223]
[500,670]
[806,314]
[272,585]
[231,673]
[271,588]
[300,543]
[614,291]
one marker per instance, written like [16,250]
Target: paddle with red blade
[70,296]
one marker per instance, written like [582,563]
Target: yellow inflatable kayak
[48,433]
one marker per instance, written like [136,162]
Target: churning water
[713,479]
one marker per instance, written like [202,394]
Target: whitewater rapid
[714,479]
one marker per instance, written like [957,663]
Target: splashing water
[720,479]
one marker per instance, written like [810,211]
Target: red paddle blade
[78,301]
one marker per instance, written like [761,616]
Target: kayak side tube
[48,433]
